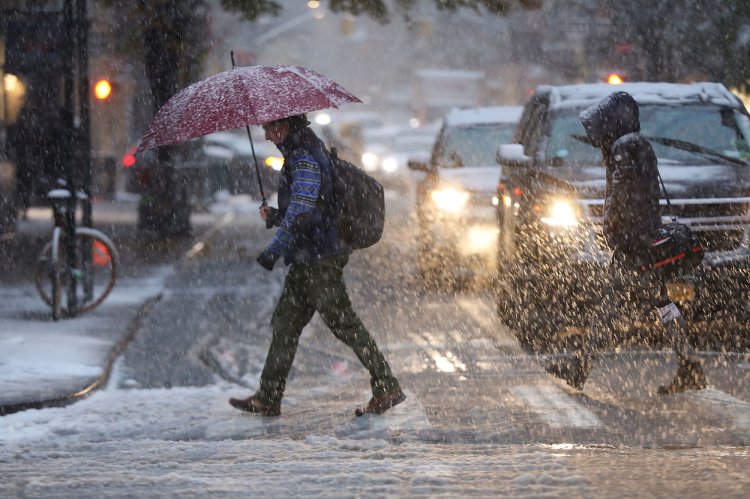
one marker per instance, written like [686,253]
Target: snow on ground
[189,441]
[38,352]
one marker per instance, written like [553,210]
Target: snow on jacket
[306,226]
[631,203]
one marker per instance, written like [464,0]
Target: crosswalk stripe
[557,408]
[483,314]
[725,404]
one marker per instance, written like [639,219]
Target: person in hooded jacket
[308,242]
[631,214]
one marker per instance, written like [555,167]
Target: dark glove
[273,218]
[267,259]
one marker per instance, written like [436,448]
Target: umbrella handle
[269,224]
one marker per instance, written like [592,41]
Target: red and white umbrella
[239,97]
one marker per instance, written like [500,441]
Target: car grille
[719,223]
[481,199]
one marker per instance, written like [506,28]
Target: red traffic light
[102,89]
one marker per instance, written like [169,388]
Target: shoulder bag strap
[666,196]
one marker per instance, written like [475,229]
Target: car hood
[472,178]
[682,181]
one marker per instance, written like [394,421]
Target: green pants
[319,286]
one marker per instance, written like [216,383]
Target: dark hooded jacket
[631,204]
[310,232]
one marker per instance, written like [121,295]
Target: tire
[95,272]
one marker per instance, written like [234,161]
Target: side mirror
[419,164]
[512,155]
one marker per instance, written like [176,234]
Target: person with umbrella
[307,240]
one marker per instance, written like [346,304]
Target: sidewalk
[46,363]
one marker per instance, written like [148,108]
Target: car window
[719,129]
[474,145]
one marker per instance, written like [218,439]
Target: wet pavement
[482,418]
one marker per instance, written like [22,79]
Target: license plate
[681,291]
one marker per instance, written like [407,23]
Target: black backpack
[358,204]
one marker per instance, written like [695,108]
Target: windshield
[719,129]
[474,145]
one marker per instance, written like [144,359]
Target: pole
[67,138]
[252,148]
[84,125]
[83,138]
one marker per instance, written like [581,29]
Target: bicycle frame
[83,260]
[63,211]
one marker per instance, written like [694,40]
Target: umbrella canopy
[242,96]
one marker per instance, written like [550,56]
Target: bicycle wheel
[97,268]
[95,271]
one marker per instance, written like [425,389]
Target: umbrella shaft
[257,168]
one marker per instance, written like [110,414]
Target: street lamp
[102,89]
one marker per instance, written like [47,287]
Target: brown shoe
[573,370]
[378,405]
[253,404]
[689,376]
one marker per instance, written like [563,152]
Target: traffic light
[103,89]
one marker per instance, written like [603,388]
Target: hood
[611,118]
[474,179]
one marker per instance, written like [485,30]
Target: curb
[63,400]
[202,243]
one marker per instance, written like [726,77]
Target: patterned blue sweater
[306,227]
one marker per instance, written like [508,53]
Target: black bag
[358,204]
[673,249]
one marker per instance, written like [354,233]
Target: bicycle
[86,268]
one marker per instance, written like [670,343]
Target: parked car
[241,177]
[457,228]
[221,161]
[552,256]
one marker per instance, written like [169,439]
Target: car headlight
[370,161]
[450,199]
[561,213]
[274,162]
[390,164]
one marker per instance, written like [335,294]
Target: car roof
[586,94]
[483,115]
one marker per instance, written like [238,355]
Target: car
[552,257]
[388,149]
[241,177]
[221,161]
[457,237]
